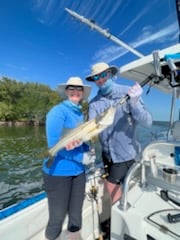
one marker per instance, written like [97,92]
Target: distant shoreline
[160,122]
[36,123]
[20,123]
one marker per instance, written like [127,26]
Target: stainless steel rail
[131,173]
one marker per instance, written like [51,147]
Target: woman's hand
[73,144]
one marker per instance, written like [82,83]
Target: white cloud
[12,66]
[139,15]
[49,10]
[160,36]
[60,53]
[165,35]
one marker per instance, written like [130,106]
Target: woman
[64,179]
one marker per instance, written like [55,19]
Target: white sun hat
[99,68]
[74,81]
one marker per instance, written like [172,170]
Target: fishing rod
[94,195]
[104,32]
[90,128]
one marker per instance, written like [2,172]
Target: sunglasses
[101,75]
[72,88]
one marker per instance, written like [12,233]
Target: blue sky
[40,42]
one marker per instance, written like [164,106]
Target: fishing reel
[94,190]
[106,173]
[172,70]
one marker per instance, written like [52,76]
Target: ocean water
[21,159]
[20,163]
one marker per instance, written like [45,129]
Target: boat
[150,205]
[27,220]
[149,208]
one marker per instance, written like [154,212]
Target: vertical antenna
[178,14]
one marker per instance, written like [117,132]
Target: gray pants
[65,196]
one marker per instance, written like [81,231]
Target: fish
[93,127]
[85,131]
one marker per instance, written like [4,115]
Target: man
[119,145]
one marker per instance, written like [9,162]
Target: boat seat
[161,152]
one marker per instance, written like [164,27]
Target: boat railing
[127,184]
[156,158]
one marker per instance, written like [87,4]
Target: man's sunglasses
[72,87]
[101,75]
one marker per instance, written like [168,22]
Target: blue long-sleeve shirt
[61,119]
[119,141]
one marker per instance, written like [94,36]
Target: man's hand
[135,92]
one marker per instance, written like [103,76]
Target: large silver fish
[85,131]
[90,129]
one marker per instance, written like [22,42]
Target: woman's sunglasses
[101,75]
[72,87]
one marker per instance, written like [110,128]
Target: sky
[40,42]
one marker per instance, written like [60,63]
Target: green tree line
[25,101]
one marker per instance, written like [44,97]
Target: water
[20,164]
[20,161]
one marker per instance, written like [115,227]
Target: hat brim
[113,70]
[62,91]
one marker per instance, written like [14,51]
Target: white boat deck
[142,212]
[145,205]
[30,222]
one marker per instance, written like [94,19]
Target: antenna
[104,32]
[178,13]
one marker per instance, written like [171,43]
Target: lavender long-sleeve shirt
[119,140]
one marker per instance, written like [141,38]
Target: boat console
[150,205]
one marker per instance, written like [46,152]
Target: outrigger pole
[178,13]
[104,32]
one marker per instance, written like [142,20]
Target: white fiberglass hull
[147,217]
[143,212]
[30,222]
[148,198]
